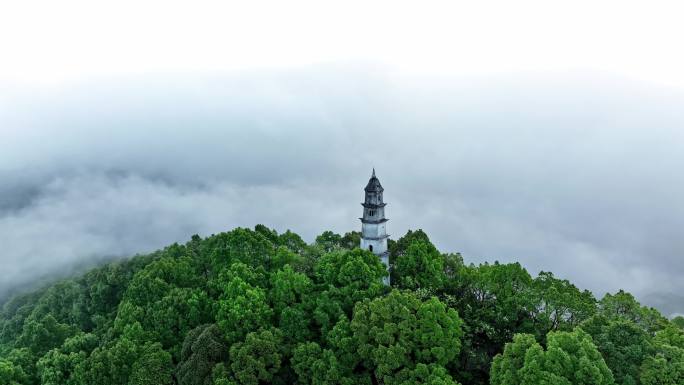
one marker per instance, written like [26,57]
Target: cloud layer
[578,174]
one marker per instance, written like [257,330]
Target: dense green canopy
[258,307]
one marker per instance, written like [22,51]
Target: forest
[254,306]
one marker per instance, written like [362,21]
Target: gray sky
[578,174]
[508,131]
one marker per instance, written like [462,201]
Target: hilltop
[251,306]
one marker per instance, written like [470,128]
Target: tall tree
[623,344]
[243,308]
[570,358]
[203,348]
[257,359]
[624,305]
[421,265]
[397,332]
[560,304]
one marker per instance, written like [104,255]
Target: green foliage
[259,307]
[419,266]
[39,336]
[109,364]
[399,331]
[58,365]
[350,240]
[10,374]
[351,276]
[203,348]
[569,358]
[678,321]
[496,301]
[560,304]
[507,368]
[240,245]
[316,366]
[289,288]
[398,248]
[423,374]
[623,305]
[153,367]
[623,344]
[329,241]
[289,291]
[665,368]
[257,359]
[20,366]
[241,309]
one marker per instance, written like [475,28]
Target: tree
[570,358]
[678,321]
[11,375]
[398,331]
[623,344]
[292,241]
[351,276]
[269,234]
[288,288]
[19,366]
[39,336]
[257,359]
[496,301]
[315,366]
[670,335]
[170,318]
[350,240]
[105,287]
[65,302]
[666,367]
[153,367]
[328,241]
[423,374]
[242,308]
[453,265]
[58,365]
[240,245]
[203,348]
[506,367]
[284,256]
[560,304]
[398,248]
[420,266]
[111,365]
[158,278]
[289,291]
[624,305]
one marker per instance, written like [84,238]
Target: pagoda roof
[383,220]
[373,205]
[374,184]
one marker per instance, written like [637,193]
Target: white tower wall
[374,224]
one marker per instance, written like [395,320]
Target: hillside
[257,307]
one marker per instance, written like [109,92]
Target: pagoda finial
[373,173]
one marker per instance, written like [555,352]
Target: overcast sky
[511,131]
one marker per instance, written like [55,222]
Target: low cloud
[575,174]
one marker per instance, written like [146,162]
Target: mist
[575,173]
